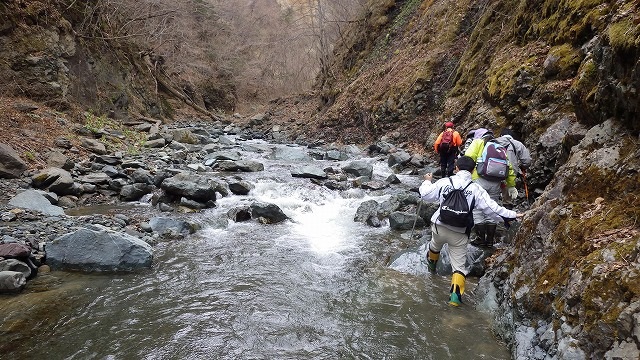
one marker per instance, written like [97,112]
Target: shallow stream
[316,287]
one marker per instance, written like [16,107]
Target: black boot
[443,171]
[491,234]
[481,234]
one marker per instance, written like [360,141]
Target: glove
[513,193]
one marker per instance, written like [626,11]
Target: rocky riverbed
[105,212]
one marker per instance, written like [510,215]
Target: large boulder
[99,250]
[34,200]
[191,186]
[55,180]
[359,168]
[405,221]
[11,166]
[267,213]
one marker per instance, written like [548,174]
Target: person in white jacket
[458,237]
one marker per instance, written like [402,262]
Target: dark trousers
[447,160]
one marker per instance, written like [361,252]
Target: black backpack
[454,210]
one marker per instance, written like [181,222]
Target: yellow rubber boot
[432,259]
[457,288]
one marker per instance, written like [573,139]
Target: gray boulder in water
[101,250]
[267,213]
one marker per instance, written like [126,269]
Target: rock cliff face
[565,76]
[43,58]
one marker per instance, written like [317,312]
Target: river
[318,286]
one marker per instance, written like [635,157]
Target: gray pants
[440,235]
[494,190]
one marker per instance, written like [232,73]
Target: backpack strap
[473,204]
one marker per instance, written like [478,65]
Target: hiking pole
[416,219]
[526,188]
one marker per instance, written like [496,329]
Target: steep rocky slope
[565,76]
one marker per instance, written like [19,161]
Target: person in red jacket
[447,146]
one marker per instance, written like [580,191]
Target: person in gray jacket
[457,237]
[519,157]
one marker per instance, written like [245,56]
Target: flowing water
[316,287]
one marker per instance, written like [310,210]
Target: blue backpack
[492,163]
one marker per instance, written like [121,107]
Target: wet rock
[240,187]
[290,154]
[12,281]
[194,187]
[367,209]
[404,221]
[392,179]
[171,227]
[310,172]
[374,185]
[98,250]
[192,204]
[239,214]
[17,266]
[271,213]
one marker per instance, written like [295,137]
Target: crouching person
[451,224]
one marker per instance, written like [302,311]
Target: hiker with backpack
[493,170]
[451,224]
[447,146]
[518,154]
[468,141]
